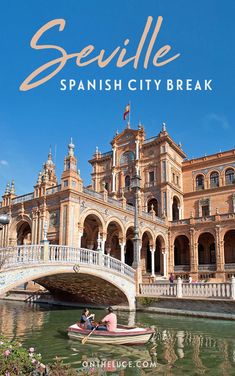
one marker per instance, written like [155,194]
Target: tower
[70,178]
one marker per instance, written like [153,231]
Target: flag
[127,111]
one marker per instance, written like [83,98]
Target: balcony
[150,184]
[229,266]
[206,267]
[182,268]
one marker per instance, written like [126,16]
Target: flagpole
[129,114]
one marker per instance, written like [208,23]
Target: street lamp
[135,186]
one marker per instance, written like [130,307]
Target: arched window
[127,181]
[175,209]
[127,157]
[214,180]
[199,182]
[229,176]
[153,204]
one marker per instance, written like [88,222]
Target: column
[137,154]
[114,156]
[122,245]
[165,255]
[152,250]
[80,234]
[193,246]
[113,182]
[219,250]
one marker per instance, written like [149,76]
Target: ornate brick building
[186,207]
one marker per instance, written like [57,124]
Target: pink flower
[34,361]
[31,349]
[6,352]
[1,343]
[7,374]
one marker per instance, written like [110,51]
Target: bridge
[76,273]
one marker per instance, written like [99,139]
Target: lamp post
[135,186]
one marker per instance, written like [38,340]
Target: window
[205,211]
[151,176]
[214,180]
[106,186]
[127,181]
[66,183]
[74,184]
[177,180]
[173,177]
[199,182]
[127,157]
[229,176]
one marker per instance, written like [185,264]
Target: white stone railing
[52,190]
[33,254]
[229,266]
[190,290]
[19,199]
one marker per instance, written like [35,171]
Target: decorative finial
[7,190]
[180,145]
[140,126]
[163,127]
[50,154]
[116,132]
[128,126]
[13,187]
[71,148]
[96,150]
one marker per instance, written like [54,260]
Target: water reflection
[181,345]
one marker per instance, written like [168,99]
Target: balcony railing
[53,190]
[229,266]
[206,267]
[23,198]
[182,268]
[150,184]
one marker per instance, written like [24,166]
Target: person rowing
[109,322]
[86,319]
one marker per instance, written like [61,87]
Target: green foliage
[146,301]
[15,360]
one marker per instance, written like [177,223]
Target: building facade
[186,207]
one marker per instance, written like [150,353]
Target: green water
[183,346]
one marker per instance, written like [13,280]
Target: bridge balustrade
[33,254]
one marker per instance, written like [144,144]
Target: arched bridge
[79,274]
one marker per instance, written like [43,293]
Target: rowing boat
[123,335]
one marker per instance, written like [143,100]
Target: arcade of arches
[117,242]
[113,239]
[206,255]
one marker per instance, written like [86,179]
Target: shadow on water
[182,346]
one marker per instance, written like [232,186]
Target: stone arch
[175,208]
[181,250]
[160,246]
[147,239]
[94,212]
[38,273]
[15,225]
[206,248]
[229,246]
[129,249]
[119,224]
[115,233]
[93,229]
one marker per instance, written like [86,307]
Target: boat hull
[123,336]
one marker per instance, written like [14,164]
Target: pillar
[114,156]
[122,245]
[219,249]
[113,182]
[152,261]
[137,154]
[193,247]
[80,234]
[165,266]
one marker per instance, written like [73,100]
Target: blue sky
[201,31]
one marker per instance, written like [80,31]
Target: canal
[183,346]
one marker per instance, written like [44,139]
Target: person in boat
[86,319]
[109,322]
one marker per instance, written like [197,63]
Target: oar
[86,338]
